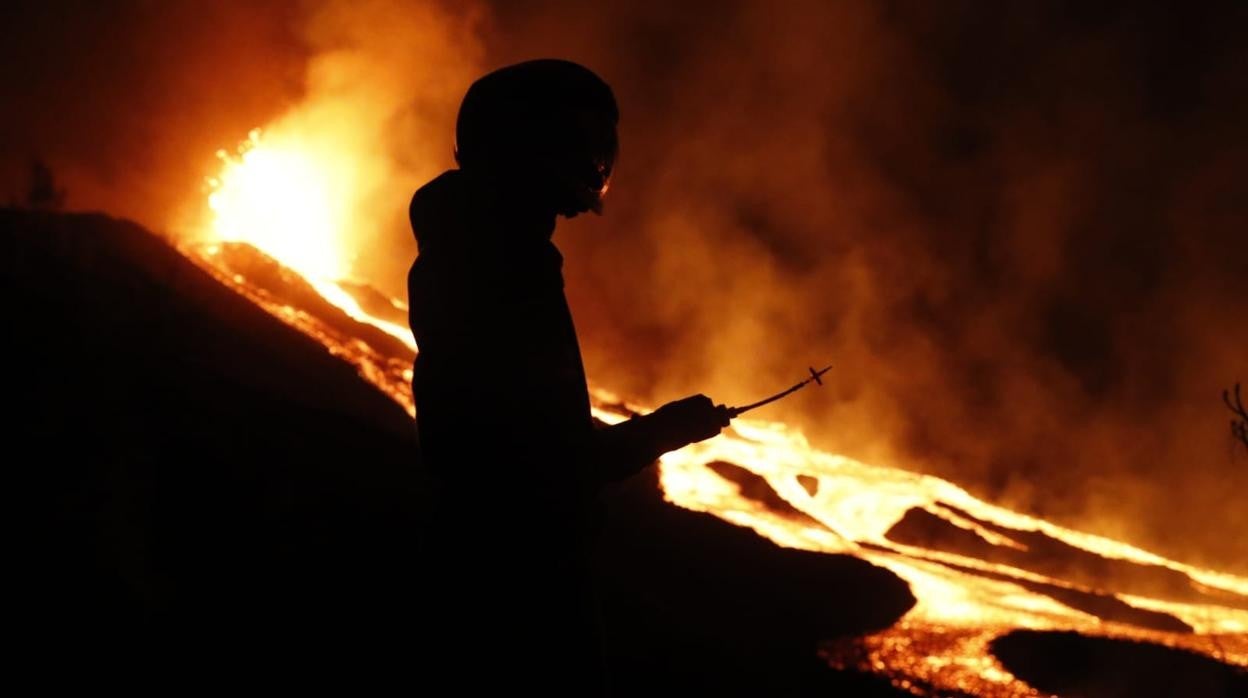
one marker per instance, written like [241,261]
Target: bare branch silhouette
[1235,403]
[43,193]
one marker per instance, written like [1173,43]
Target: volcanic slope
[216,492]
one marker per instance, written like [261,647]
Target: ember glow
[977,570]
[291,201]
[285,200]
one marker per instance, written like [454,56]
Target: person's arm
[624,449]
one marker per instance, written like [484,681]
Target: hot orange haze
[1016,229]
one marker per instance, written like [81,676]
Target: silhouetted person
[513,456]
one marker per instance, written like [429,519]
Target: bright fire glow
[289,199]
[286,200]
[292,198]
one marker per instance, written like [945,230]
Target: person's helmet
[548,124]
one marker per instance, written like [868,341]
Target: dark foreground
[219,500]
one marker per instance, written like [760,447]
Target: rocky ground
[218,500]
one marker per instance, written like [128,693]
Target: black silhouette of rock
[731,610]
[218,499]
[1069,664]
[1053,557]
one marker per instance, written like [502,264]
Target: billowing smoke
[1016,231]
[381,93]
[127,101]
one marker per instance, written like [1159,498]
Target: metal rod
[815,377]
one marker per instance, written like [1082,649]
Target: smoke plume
[1016,231]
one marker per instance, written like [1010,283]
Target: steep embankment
[206,477]
[216,491]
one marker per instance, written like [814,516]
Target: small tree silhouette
[1235,403]
[43,194]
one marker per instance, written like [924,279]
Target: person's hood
[456,209]
[435,206]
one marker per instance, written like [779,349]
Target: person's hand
[688,420]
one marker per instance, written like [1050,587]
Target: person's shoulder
[443,184]
[434,204]
[435,194]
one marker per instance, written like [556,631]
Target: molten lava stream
[977,570]
[963,602]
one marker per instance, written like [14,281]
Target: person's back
[509,447]
[498,381]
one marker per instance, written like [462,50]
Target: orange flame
[293,202]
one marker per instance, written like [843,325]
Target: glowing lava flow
[288,200]
[964,600]
[978,570]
